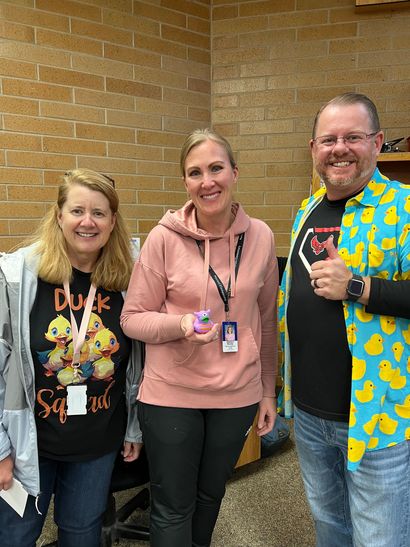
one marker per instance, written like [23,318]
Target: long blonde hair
[113,268]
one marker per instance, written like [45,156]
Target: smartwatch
[355,288]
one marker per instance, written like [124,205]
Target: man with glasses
[346,322]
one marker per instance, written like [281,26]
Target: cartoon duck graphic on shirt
[59,332]
[95,354]
[105,344]
[95,324]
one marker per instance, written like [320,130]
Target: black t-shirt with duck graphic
[103,363]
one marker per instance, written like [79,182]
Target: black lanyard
[225,294]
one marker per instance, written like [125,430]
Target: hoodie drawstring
[232,263]
[205,275]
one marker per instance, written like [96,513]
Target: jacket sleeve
[142,316]
[5,350]
[134,374]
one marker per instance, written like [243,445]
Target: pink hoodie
[171,279]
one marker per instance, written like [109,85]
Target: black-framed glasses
[351,139]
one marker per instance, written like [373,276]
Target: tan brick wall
[114,85]
[275,62]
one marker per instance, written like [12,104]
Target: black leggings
[191,454]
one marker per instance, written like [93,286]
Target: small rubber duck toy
[203,322]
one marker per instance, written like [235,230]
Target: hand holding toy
[203,322]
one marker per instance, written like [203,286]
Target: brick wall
[275,62]
[114,85]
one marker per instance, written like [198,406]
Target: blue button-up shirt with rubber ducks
[374,241]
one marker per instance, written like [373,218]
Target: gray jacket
[18,436]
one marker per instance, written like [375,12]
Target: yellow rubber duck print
[391,218]
[398,382]
[406,334]
[370,426]
[362,314]
[374,346]
[376,256]
[344,254]
[348,220]
[387,372]
[407,434]
[346,312]
[377,187]
[398,349]
[354,231]
[351,334]
[387,425]
[366,394]
[404,234]
[356,257]
[387,324]
[403,410]
[407,204]
[367,216]
[358,368]
[281,298]
[355,449]
[388,196]
[374,441]
[388,243]
[372,233]
[352,415]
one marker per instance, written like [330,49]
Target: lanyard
[79,335]
[225,294]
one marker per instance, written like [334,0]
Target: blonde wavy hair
[113,268]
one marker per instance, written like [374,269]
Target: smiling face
[209,180]
[345,169]
[86,221]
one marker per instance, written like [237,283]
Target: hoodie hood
[184,222]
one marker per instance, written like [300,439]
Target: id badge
[229,336]
[76,400]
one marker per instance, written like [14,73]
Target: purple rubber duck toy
[203,322]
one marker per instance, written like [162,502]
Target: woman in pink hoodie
[199,394]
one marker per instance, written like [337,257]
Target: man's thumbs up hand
[330,277]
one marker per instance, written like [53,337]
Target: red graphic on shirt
[317,246]
[311,245]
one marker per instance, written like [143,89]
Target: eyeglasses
[352,139]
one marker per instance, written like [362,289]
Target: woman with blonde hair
[65,364]
[200,394]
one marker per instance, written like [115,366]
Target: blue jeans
[369,507]
[80,498]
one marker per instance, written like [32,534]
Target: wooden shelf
[395,165]
[360,3]
[394,156]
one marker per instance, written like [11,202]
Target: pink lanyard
[79,335]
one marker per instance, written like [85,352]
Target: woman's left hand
[131,451]
[267,415]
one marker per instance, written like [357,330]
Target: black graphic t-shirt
[103,363]
[321,359]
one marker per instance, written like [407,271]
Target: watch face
[356,287]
